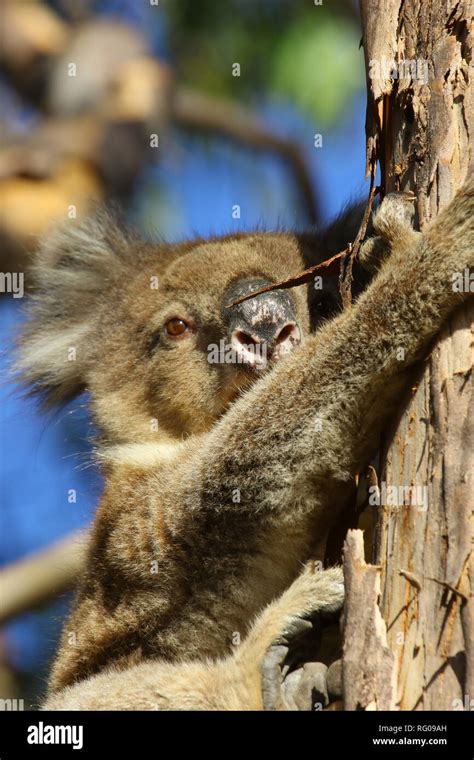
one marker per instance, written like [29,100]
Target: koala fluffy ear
[76,263]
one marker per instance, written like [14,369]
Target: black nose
[263,327]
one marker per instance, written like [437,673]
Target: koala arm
[321,412]
[230,518]
[232,683]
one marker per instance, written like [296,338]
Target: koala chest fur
[172,581]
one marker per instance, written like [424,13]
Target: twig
[412,579]
[330,265]
[347,263]
[450,587]
[33,581]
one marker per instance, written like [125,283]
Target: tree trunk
[420,126]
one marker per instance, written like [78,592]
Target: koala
[223,476]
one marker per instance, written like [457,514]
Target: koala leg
[242,681]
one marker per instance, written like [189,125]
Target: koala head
[145,329]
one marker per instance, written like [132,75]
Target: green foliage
[308,54]
[318,66]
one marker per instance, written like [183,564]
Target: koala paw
[396,211]
[314,592]
[393,222]
[305,689]
[314,598]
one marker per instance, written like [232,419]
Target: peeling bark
[367,662]
[430,628]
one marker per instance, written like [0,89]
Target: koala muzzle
[261,328]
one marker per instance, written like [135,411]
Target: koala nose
[255,350]
[263,327]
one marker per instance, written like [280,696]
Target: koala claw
[277,660]
[277,681]
[286,684]
[305,689]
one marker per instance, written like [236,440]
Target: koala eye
[177,327]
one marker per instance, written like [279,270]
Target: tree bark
[420,126]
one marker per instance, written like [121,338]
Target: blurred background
[195,118]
